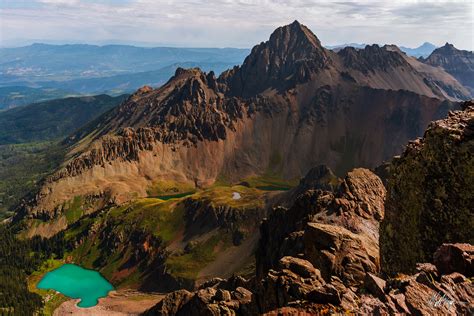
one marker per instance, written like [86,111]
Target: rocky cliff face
[430,188]
[336,231]
[290,106]
[459,63]
[321,257]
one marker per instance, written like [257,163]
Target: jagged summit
[458,63]
[294,38]
[291,55]
[447,45]
[188,72]
[445,49]
[372,57]
[189,106]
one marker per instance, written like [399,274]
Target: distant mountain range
[124,83]
[14,96]
[42,62]
[41,72]
[423,50]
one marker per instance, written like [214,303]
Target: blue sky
[239,23]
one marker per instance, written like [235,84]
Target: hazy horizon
[206,24]
[26,43]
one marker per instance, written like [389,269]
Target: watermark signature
[439,300]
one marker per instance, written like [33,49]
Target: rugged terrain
[458,63]
[291,105]
[321,255]
[167,190]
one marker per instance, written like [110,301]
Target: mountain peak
[427,44]
[291,55]
[294,36]
[447,45]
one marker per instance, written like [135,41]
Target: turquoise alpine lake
[77,282]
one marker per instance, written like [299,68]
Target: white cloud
[240,23]
[60,2]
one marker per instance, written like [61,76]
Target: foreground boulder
[340,252]
[451,258]
[430,193]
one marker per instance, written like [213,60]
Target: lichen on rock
[430,193]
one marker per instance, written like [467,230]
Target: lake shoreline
[117,303]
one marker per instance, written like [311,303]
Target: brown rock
[301,267]
[398,300]
[375,285]
[326,294]
[369,305]
[421,300]
[170,304]
[455,258]
[222,295]
[427,268]
[243,295]
[454,277]
[337,251]
[367,190]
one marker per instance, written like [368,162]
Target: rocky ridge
[296,287]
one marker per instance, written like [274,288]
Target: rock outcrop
[321,257]
[430,200]
[337,231]
[296,287]
[451,258]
